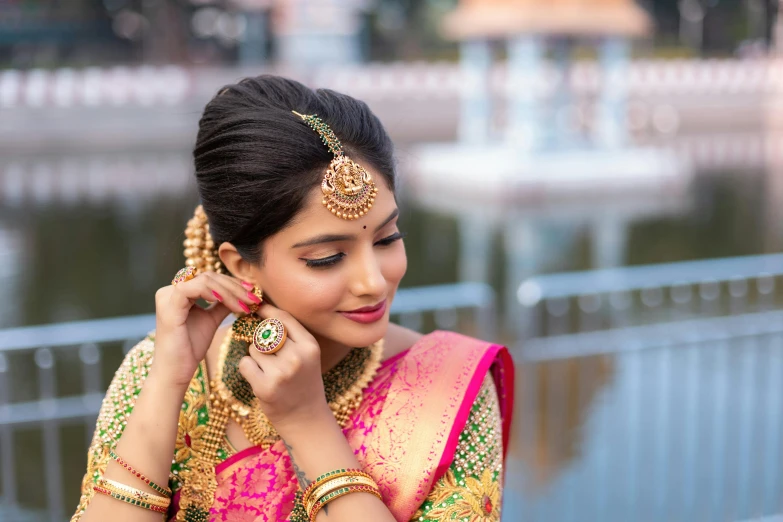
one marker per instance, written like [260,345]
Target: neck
[331,353]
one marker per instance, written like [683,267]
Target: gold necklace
[343,384]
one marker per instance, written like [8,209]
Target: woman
[311,405]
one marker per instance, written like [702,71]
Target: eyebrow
[332,238]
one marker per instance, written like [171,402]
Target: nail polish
[253,297]
[217,296]
[247,285]
[244,307]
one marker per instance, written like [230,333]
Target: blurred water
[658,436]
[693,434]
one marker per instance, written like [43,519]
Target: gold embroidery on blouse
[471,488]
[478,500]
[116,408]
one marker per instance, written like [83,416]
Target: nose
[367,278]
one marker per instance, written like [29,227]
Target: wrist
[161,380]
[317,420]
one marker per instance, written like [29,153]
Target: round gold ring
[269,336]
[184,274]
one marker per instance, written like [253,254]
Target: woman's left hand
[288,382]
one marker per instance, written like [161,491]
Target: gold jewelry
[166,492]
[348,188]
[199,481]
[141,496]
[200,249]
[343,385]
[323,479]
[128,499]
[184,274]
[337,483]
[255,306]
[269,336]
[342,492]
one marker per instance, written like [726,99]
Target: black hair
[256,161]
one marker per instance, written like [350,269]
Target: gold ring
[185,274]
[269,336]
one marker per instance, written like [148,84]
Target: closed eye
[333,260]
[324,261]
[391,239]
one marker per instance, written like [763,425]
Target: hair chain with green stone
[327,135]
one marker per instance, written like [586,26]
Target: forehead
[314,218]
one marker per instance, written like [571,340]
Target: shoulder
[476,469]
[453,345]
[398,339]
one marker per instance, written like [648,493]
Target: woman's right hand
[184,330]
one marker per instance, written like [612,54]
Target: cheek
[301,291]
[308,294]
[395,265]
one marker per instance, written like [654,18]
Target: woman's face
[321,268]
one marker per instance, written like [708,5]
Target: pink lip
[367,314]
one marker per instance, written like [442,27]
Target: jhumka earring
[349,190]
[200,250]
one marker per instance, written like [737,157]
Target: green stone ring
[269,336]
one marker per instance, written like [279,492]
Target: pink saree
[404,434]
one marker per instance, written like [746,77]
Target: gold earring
[258,293]
[200,249]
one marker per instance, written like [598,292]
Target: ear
[237,265]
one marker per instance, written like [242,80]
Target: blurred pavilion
[538,169]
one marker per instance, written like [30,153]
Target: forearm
[321,447]
[147,444]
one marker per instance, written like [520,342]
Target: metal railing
[469,305]
[559,304]
[656,391]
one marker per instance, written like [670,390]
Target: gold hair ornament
[348,188]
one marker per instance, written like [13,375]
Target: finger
[294,328]
[217,312]
[254,375]
[211,286]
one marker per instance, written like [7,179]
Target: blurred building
[50,33]
[540,166]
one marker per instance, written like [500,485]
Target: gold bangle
[133,493]
[339,493]
[331,475]
[337,483]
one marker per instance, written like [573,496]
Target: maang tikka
[349,190]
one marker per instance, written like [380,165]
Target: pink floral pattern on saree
[259,487]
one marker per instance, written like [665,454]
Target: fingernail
[253,297]
[244,307]
[217,296]
[247,285]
